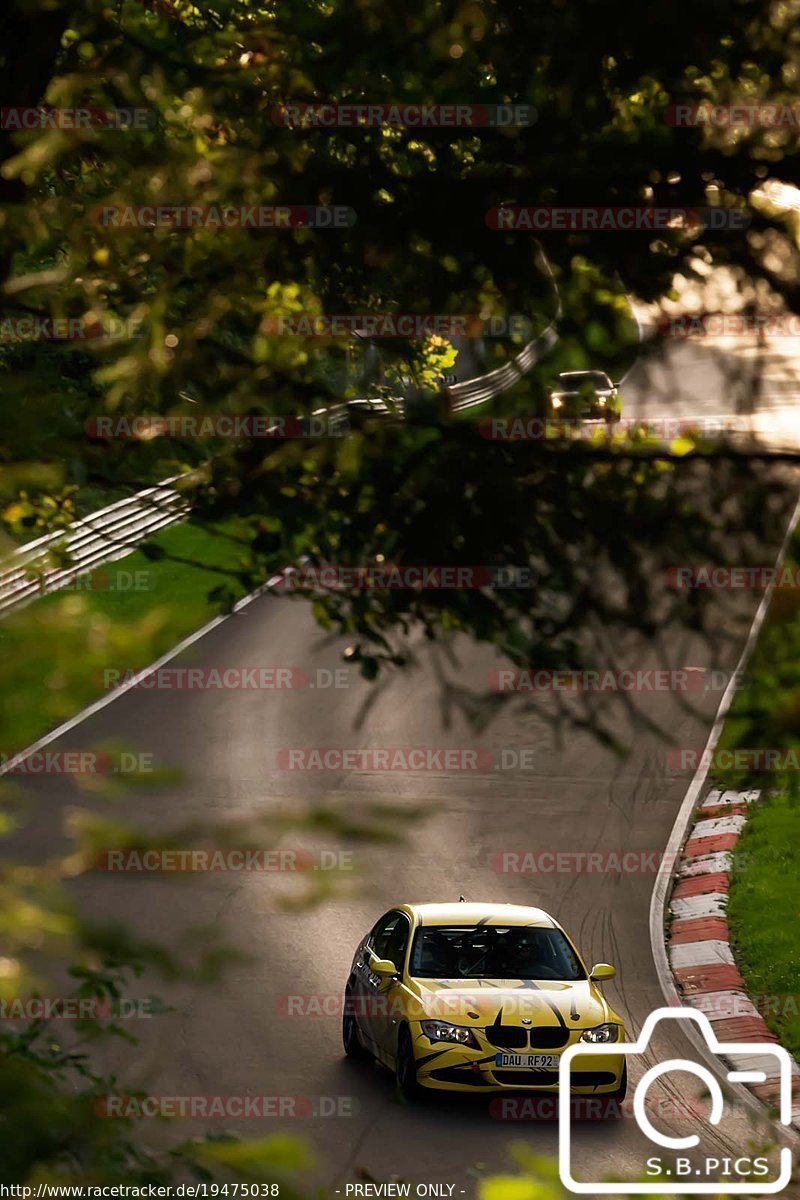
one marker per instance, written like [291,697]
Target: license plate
[528,1062]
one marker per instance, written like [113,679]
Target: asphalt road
[236,1037]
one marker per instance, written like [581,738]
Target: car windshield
[493,952]
[576,379]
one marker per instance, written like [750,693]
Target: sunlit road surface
[235,1038]
[745,387]
[749,385]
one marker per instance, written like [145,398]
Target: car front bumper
[568,410]
[443,1067]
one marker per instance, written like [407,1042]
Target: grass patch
[764,902]
[764,914]
[765,714]
[54,652]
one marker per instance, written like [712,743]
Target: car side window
[381,935]
[389,938]
[398,942]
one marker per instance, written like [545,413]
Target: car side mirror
[383,967]
[602,971]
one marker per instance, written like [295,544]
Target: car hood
[511,1002]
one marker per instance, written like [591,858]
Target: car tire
[351,1038]
[408,1087]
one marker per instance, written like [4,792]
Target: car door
[389,1006]
[367,987]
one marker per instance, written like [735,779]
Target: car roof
[471,914]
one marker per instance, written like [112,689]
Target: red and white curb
[698,946]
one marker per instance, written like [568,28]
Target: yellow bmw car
[479,997]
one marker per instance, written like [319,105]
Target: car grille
[513,1037]
[509,1037]
[549,1037]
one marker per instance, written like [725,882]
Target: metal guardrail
[470,392]
[485,387]
[114,531]
[108,534]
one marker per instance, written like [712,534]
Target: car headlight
[441,1031]
[556,401]
[601,1033]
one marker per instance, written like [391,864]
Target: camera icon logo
[748,1059]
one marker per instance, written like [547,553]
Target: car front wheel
[406,1067]
[351,1039]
